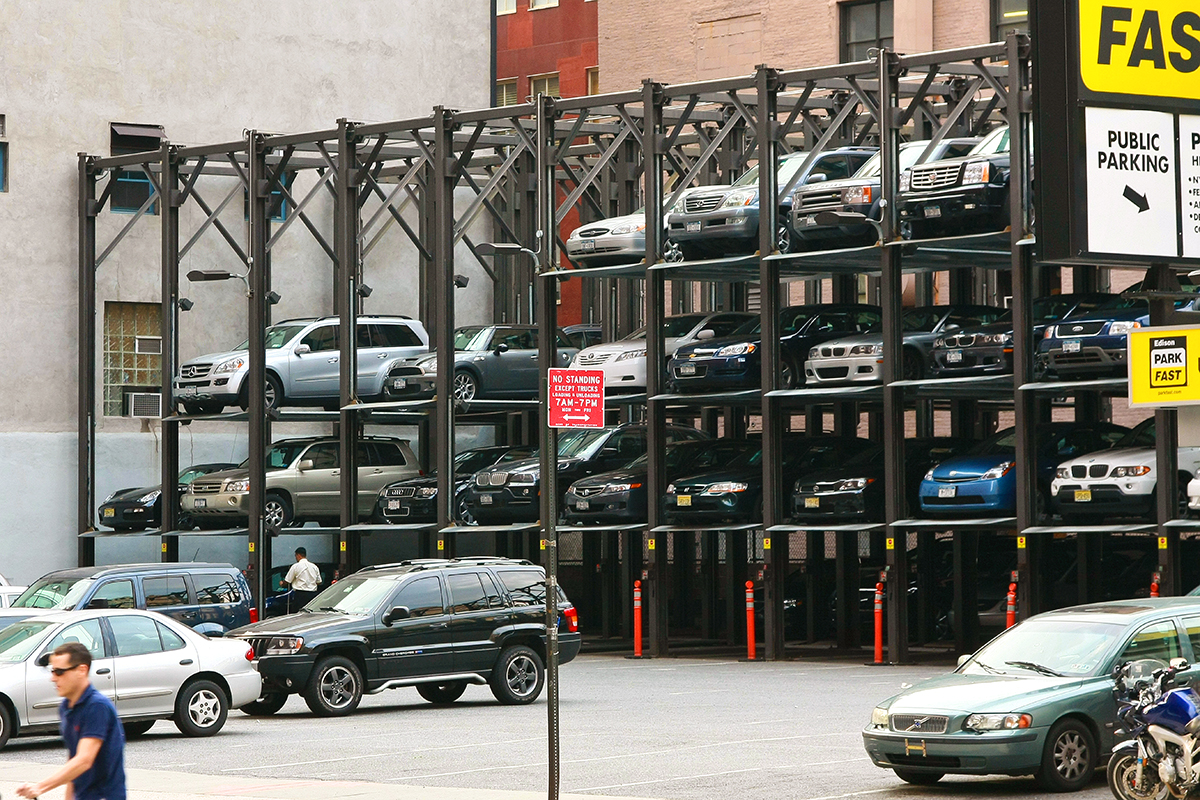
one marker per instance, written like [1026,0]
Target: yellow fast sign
[1140,47]
[1164,367]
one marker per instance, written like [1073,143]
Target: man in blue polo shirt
[91,730]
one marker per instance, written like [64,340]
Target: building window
[544,84]
[132,187]
[1009,15]
[534,5]
[127,367]
[593,76]
[277,208]
[3,166]
[506,7]
[506,93]
[865,26]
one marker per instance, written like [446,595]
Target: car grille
[833,352]
[592,359]
[1094,471]
[400,491]
[700,372]
[587,491]
[403,372]
[934,177]
[258,644]
[1067,330]
[963,340]
[195,370]
[590,232]
[919,723]
[1077,358]
[960,500]
[491,478]
[703,203]
[832,372]
[815,200]
[205,488]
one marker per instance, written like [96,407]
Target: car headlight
[1131,472]
[110,497]
[632,354]
[726,487]
[1064,472]
[149,497]
[998,471]
[976,172]
[427,491]
[854,484]
[1049,334]
[879,717]
[857,195]
[678,208]
[814,353]
[613,488]
[230,365]
[929,475]
[736,350]
[939,342]
[628,227]
[740,198]
[284,646]
[866,350]
[242,485]
[1123,326]
[522,477]
[997,722]
[905,180]
[429,367]
[670,488]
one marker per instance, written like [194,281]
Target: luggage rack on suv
[430,563]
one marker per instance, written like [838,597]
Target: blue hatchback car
[982,481]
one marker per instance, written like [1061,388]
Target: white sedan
[149,665]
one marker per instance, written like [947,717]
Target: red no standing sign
[576,398]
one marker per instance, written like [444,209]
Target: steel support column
[345,235]
[442,191]
[259,537]
[169,359]
[86,463]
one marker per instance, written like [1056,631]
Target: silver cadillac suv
[302,364]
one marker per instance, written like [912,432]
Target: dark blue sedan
[982,482]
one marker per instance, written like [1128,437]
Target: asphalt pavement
[672,728]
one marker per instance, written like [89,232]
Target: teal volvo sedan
[1036,700]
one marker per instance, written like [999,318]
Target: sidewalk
[145,784]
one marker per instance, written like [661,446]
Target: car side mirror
[1179,664]
[397,613]
[43,660]
[305,465]
[302,349]
[816,177]
[964,659]
[501,348]
[707,333]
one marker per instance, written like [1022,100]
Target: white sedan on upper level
[624,361]
[149,665]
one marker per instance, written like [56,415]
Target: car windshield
[191,473]
[673,327]
[999,444]
[277,336]
[1054,308]
[50,592]
[909,153]
[356,596]
[472,338]
[792,320]
[1068,646]
[20,639]
[1140,436]
[994,142]
[787,168]
[582,444]
[917,320]
[281,455]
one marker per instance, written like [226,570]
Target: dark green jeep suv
[431,623]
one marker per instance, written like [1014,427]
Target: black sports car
[412,499]
[140,508]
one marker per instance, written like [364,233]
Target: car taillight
[249,653]
[253,615]
[572,618]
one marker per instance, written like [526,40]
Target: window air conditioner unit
[147,345]
[145,405]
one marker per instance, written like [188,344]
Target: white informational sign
[1189,183]
[1131,182]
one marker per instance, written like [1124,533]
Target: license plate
[683,500]
[1071,345]
[399,383]
[932,211]
[393,505]
[110,512]
[201,502]
[687,369]
[1083,495]
[947,491]
[812,502]
[581,505]
[485,499]
[187,391]
[588,246]
[953,356]
[693,227]
[809,221]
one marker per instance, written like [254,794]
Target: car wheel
[273,391]
[1123,779]
[201,709]
[335,687]
[277,511]
[135,729]
[518,676]
[918,778]
[265,706]
[784,241]
[789,375]
[442,693]
[184,522]
[465,386]
[1069,759]
[672,253]
[6,724]
[913,367]
[464,512]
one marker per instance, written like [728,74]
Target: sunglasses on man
[60,671]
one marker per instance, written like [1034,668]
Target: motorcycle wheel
[1122,777]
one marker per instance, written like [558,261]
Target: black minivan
[211,598]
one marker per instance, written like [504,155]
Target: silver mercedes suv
[302,364]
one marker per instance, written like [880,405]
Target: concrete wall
[205,71]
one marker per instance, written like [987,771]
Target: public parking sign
[1164,367]
[576,398]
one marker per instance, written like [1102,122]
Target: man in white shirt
[304,577]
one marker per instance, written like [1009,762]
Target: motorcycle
[1163,755]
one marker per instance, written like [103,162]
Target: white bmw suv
[302,364]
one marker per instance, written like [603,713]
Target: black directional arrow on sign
[1138,200]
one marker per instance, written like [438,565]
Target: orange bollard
[1010,618]
[879,623]
[1154,590]
[750,620]
[637,619]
